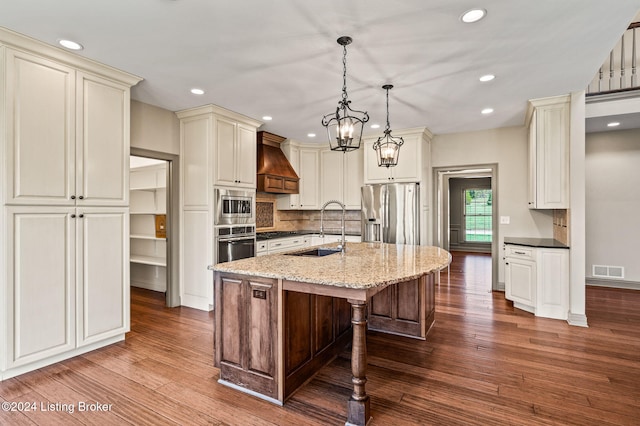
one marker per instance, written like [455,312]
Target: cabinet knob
[81,197]
[81,215]
[73,197]
[506,263]
[73,216]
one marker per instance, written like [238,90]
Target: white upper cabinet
[331,176]
[308,183]
[235,154]
[549,120]
[410,160]
[341,178]
[40,148]
[353,179]
[305,160]
[68,135]
[195,154]
[291,201]
[102,149]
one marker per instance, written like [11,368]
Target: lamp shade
[344,127]
[388,147]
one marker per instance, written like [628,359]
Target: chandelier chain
[344,73]
[388,126]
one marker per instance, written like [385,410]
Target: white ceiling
[280,57]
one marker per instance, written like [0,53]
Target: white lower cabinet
[317,240]
[537,280]
[67,284]
[282,245]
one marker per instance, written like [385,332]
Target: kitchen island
[280,318]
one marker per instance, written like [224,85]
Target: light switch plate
[505,220]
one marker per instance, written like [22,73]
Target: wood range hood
[275,173]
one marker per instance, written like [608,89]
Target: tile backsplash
[265,215]
[269,218]
[561,226]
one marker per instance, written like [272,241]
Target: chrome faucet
[343,244]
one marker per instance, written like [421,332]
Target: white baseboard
[196,302]
[629,285]
[161,287]
[578,320]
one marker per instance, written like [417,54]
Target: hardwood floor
[483,363]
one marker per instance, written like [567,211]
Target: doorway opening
[153,223]
[466,206]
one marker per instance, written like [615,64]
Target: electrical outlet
[505,220]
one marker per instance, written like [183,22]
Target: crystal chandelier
[344,127]
[387,146]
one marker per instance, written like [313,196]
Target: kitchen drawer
[261,248]
[520,252]
[279,245]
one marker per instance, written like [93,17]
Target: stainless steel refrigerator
[391,213]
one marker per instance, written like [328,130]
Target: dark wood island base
[274,333]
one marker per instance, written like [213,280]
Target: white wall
[506,147]
[613,201]
[154,128]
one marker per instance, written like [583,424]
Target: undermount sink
[317,252]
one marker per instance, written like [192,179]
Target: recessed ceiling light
[311,135]
[69,44]
[267,118]
[375,126]
[473,15]
[487,77]
[197,91]
[487,111]
[613,124]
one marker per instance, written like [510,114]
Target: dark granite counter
[270,235]
[535,242]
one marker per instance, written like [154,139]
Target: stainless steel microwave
[233,207]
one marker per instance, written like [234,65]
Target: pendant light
[387,146]
[344,127]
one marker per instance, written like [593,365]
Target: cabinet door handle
[277,245]
[519,252]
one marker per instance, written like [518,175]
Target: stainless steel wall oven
[235,242]
[235,224]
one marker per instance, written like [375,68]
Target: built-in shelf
[147,188]
[148,260]
[148,200]
[146,237]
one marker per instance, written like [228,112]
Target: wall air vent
[604,271]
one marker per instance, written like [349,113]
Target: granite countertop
[535,242]
[363,266]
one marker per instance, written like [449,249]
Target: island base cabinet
[406,308]
[246,332]
[316,329]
